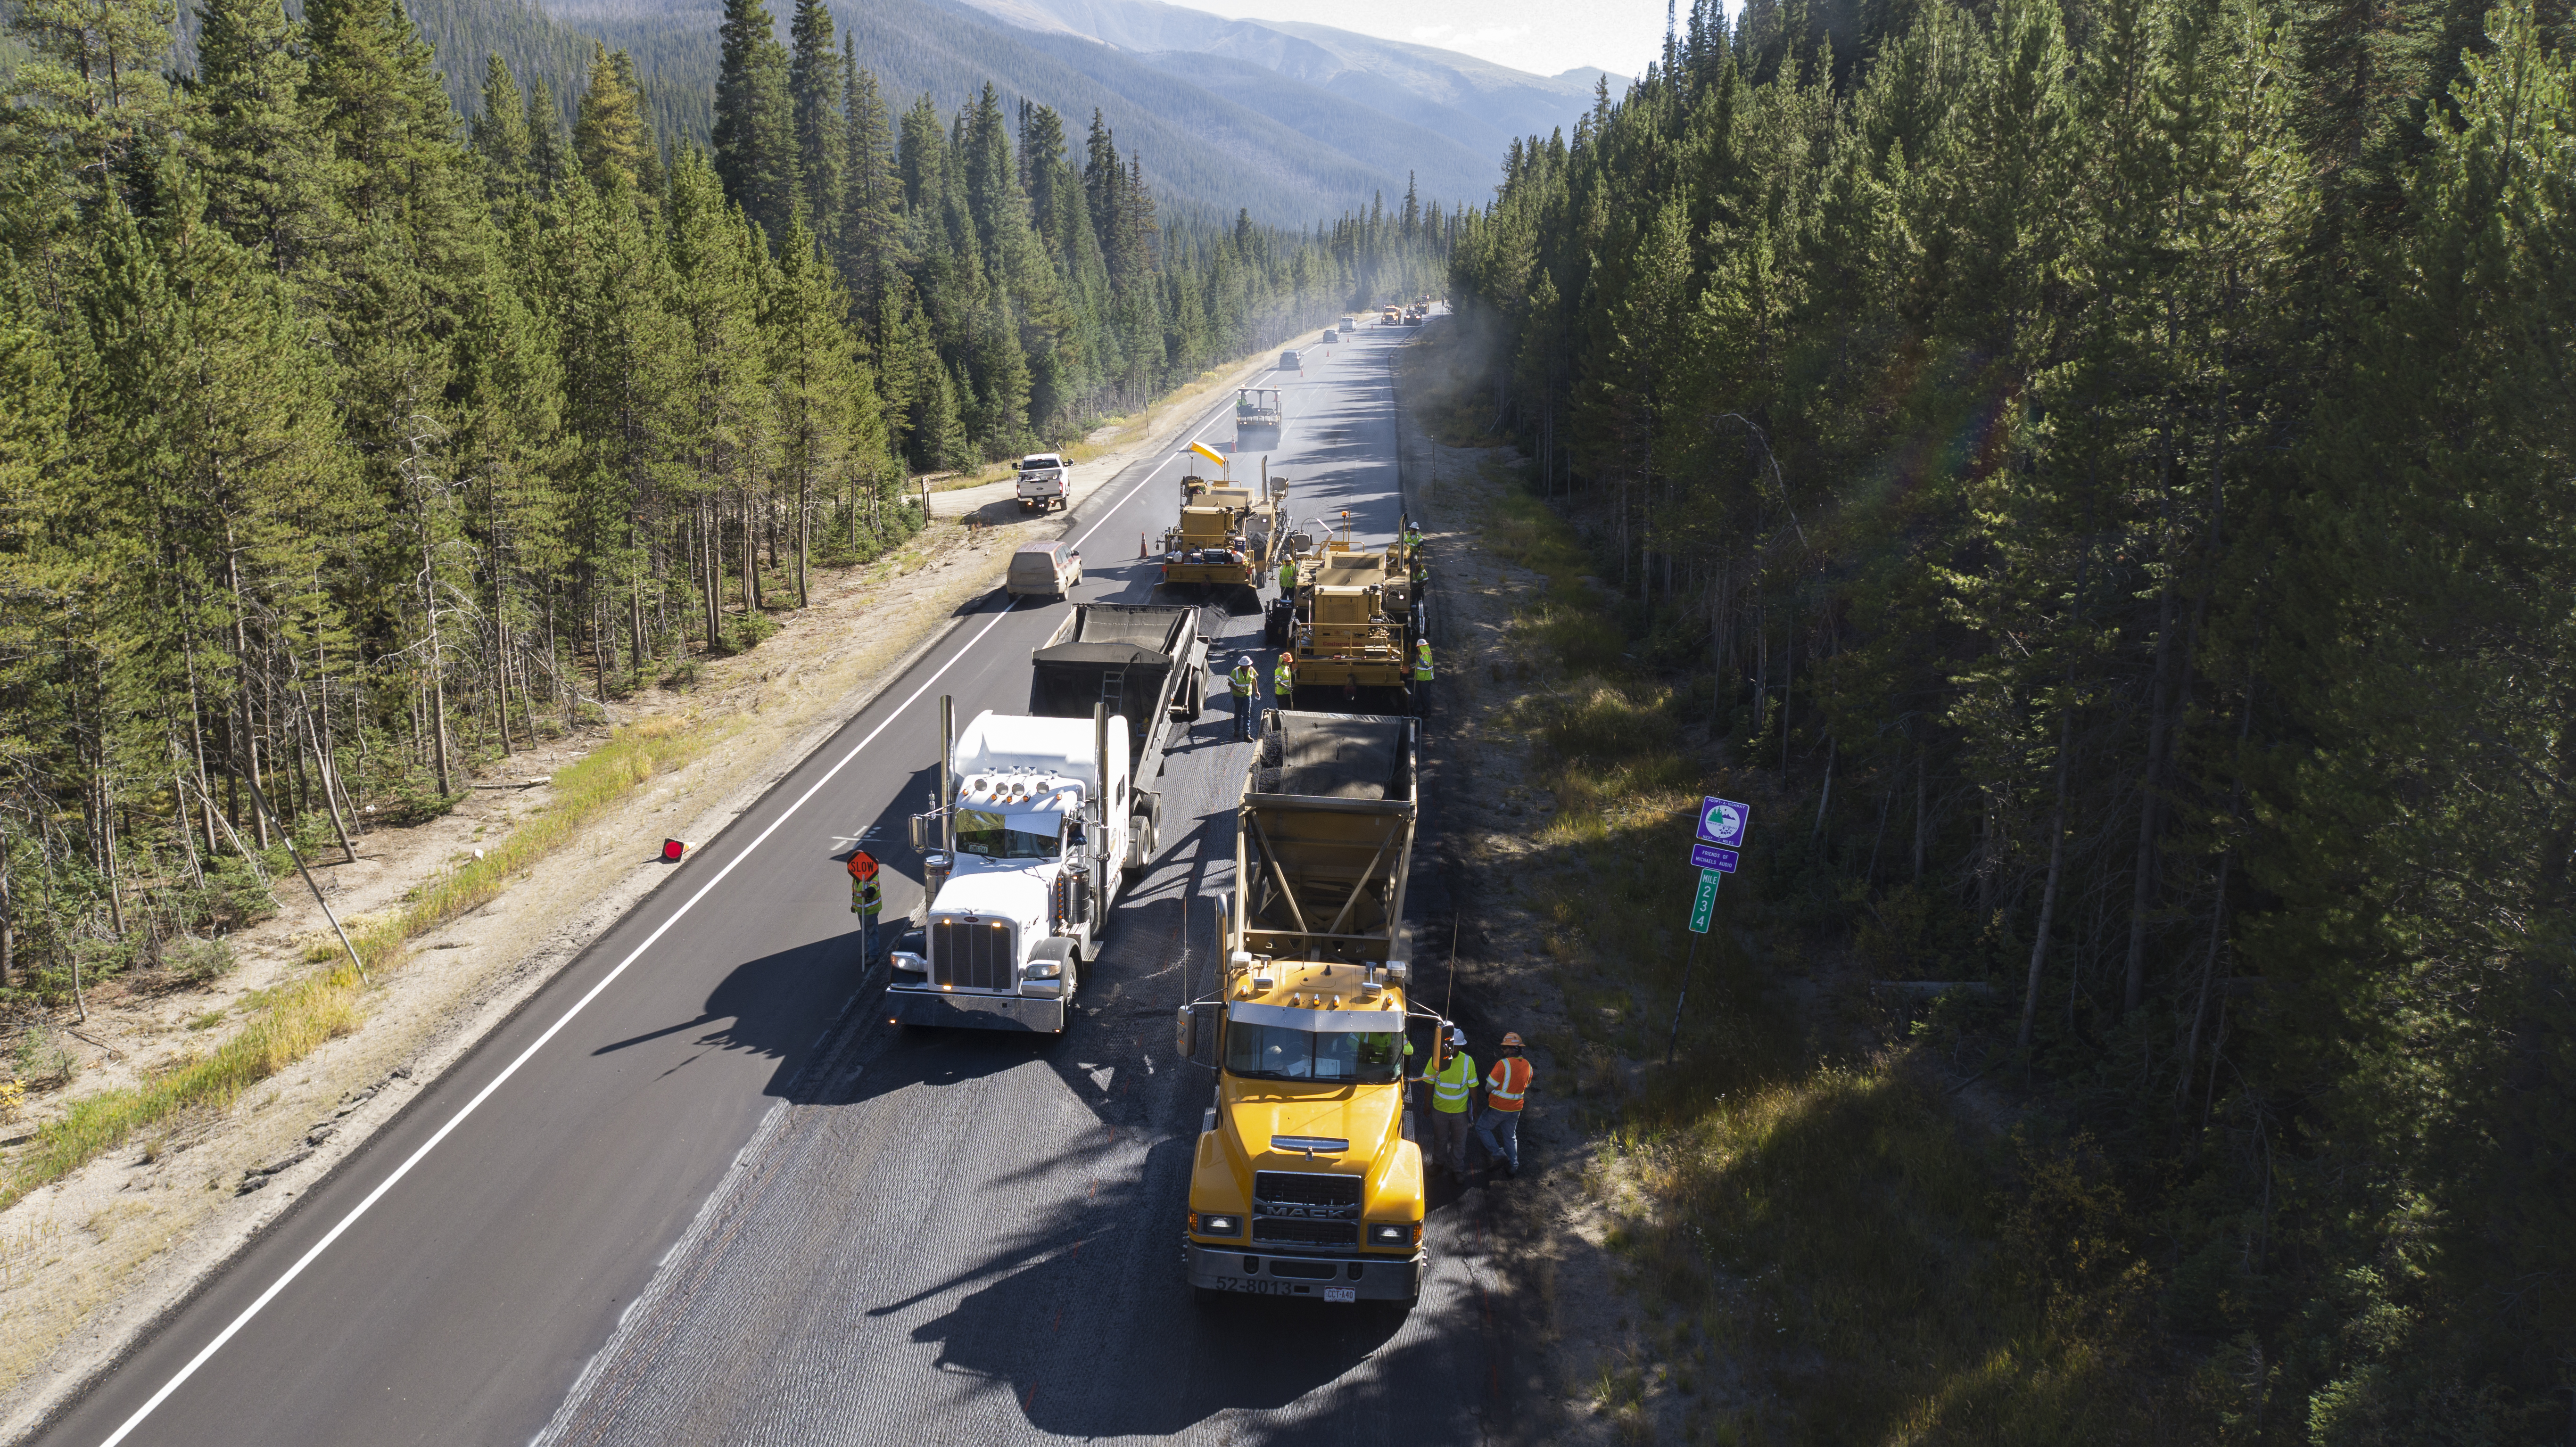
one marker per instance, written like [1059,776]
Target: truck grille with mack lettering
[970,954]
[1292,1208]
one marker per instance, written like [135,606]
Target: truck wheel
[1140,841]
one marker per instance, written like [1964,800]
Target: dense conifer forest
[2114,462]
[345,441]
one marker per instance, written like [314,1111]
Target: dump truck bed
[1324,837]
[1138,659]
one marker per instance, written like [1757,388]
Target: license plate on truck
[1342,1293]
[1255,1286]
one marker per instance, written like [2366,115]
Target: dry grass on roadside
[292,1020]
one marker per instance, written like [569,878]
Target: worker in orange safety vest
[1506,1090]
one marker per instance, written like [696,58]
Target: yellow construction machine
[1350,624]
[1223,541]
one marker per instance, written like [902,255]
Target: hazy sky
[1541,36]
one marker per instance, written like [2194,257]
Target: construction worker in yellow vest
[867,901]
[1506,1090]
[1283,680]
[1246,683]
[1422,661]
[1452,1084]
[1288,577]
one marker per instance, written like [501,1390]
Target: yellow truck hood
[1363,1115]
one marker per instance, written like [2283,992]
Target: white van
[1043,570]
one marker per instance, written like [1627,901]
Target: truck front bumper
[958,1010]
[1258,1271]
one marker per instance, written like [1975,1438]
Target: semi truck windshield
[992,837]
[1276,1052]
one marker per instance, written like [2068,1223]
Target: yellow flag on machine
[1210,453]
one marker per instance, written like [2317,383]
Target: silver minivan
[1289,360]
[1043,570]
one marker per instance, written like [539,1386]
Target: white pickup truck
[1044,478]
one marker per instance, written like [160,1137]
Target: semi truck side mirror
[920,833]
[1185,1033]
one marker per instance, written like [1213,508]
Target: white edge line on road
[453,1121]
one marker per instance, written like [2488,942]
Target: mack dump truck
[1030,839]
[1308,1179]
[1350,624]
[1221,544]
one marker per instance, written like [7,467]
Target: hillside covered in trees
[343,441]
[2114,461]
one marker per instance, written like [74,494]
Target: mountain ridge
[1293,123]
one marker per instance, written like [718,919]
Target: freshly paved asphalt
[697,1190]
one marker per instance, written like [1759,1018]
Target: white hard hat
[1458,1036]
[1243,658]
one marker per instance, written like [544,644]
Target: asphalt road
[697,1190]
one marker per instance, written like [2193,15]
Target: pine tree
[724,421]
[501,133]
[867,237]
[268,172]
[93,83]
[755,119]
[814,84]
[549,150]
[610,138]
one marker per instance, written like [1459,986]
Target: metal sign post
[1715,854]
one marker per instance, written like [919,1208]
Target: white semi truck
[1028,845]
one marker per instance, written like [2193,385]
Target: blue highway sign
[1722,822]
[1709,856]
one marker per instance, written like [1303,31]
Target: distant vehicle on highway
[1043,478]
[1289,361]
[1331,336]
[1258,417]
[1043,570]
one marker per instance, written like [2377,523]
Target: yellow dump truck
[1349,625]
[1221,544]
[1308,1179]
